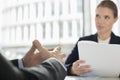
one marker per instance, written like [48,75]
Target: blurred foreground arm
[50,69]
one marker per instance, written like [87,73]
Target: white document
[103,58]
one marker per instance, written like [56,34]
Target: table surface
[89,78]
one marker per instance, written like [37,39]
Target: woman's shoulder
[115,39]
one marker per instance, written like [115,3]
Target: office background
[52,22]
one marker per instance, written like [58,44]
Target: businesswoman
[106,16]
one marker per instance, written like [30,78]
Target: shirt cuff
[20,63]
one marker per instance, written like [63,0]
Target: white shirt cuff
[20,63]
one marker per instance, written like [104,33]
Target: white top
[104,41]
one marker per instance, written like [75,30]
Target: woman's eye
[97,16]
[107,17]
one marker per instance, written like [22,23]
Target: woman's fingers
[79,67]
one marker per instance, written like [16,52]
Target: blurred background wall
[52,22]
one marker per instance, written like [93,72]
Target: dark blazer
[50,69]
[15,62]
[74,54]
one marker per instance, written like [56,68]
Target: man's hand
[45,54]
[33,59]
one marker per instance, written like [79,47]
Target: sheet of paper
[103,58]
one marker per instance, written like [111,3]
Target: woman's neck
[104,36]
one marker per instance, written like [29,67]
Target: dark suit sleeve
[72,58]
[15,62]
[8,71]
[51,69]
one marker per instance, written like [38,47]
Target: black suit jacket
[50,69]
[74,54]
[15,62]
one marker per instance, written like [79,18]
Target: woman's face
[104,20]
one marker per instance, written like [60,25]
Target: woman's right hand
[79,67]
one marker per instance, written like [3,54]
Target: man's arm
[8,71]
[15,62]
[50,69]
